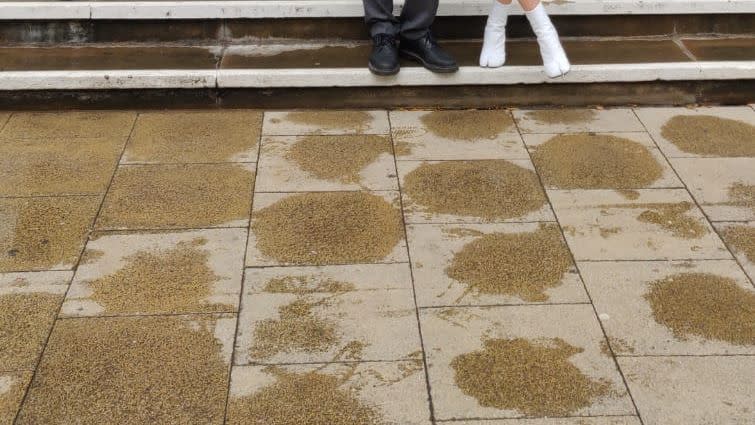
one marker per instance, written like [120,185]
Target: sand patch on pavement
[303,398]
[519,264]
[328,228]
[468,124]
[490,189]
[535,378]
[590,161]
[338,158]
[175,280]
[704,305]
[710,135]
[129,371]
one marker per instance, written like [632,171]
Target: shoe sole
[383,73]
[431,67]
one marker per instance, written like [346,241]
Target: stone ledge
[174,10]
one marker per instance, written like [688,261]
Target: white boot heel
[555,62]
[493,52]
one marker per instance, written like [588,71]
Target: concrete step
[239,20]
[329,64]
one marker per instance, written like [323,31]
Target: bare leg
[555,61]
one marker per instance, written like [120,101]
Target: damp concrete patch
[414,140]
[69,125]
[488,264]
[57,166]
[326,314]
[44,233]
[534,378]
[724,187]
[558,121]
[691,390]
[704,305]
[178,196]
[595,161]
[467,124]
[327,228]
[488,190]
[561,116]
[325,122]
[12,389]
[378,393]
[519,264]
[709,135]
[689,314]
[517,361]
[132,370]
[660,224]
[201,136]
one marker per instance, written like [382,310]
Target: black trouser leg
[378,14]
[417,17]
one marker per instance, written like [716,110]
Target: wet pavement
[590,266]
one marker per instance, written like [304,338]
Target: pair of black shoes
[425,50]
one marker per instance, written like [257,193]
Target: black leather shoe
[384,56]
[426,51]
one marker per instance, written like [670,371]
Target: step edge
[262,9]
[361,77]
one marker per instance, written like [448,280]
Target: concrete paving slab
[194,136]
[666,179]
[256,258]
[471,135]
[434,247]
[576,120]
[29,303]
[655,119]
[69,125]
[325,314]
[57,166]
[44,233]
[383,392]
[295,123]
[450,333]
[740,238]
[659,224]
[12,389]
[723,187]
[531,190]
[178,196]
[100,369]
[686,390]
[281,168]
[618,290]
[585,420]
[159,273]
